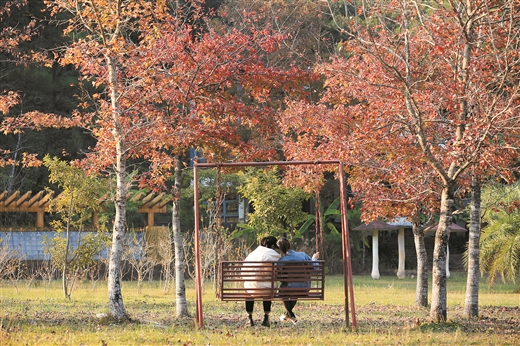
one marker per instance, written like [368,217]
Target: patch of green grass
[384,311]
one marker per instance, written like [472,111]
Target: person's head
[284,245]
[269,242]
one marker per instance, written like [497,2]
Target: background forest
[419,100]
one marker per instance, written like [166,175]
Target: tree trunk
[65,268]
[64,282]
[180,287]
[115,297]
[471,301]
[438,311]
[11,179]
[421,289]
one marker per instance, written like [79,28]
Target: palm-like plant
[500,240]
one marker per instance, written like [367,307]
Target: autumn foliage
[11,35]
[417,100]
[165,81]
[421,97]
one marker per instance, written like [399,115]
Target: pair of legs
[289,306]
[289,315]
[250,304]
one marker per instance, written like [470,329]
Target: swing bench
[277,275]
[232,278]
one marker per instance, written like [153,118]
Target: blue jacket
[293,256]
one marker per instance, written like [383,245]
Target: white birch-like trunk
[181,306]
[471,300]
[438,311]
[401,274]
[115,297]
[375,254]
[421,289]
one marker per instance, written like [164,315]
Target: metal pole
[347,264]
[268,163]
[198,281]
[344,234]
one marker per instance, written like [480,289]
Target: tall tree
[432,86]
[214,91]
[165,85]
[112,48]
[375,175]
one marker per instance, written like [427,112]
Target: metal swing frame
[347,266]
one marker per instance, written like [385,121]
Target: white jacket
[263,254]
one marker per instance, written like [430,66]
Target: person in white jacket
[265,252]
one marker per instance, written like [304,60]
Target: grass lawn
[384,311]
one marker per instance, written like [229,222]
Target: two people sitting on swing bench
[266,252]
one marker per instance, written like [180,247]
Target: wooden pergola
[150,204]
[15,203]
[347,266]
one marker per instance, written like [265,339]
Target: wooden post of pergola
[347,265]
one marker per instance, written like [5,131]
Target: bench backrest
[276,280]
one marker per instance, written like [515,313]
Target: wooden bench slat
[233,274]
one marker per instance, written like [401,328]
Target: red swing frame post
[347,265]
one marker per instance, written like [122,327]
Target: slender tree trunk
[438,311]
[471,301]
[181,306]
[421,289]
[65,268]
[65,283]
[115,297]
[11,180]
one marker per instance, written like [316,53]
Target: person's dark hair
[284,245]
[269,242]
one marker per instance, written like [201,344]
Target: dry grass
[384,311]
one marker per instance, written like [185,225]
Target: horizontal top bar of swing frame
[266,163]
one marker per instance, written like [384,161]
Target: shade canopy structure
[376,226]
[347,266]
[399,224]
[453,228]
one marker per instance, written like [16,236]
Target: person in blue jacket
[289,255]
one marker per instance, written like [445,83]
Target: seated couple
[266,252]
